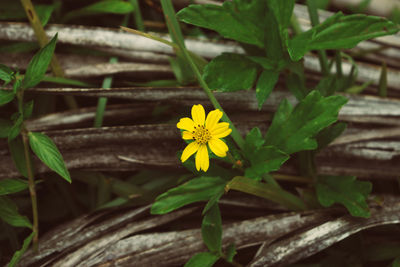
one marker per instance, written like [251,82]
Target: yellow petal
[221,130]
[187,135]
[202,160]
[189,150]
[198,114]
[218,147]
[186,124]
[212,118]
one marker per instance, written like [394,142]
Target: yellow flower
[204,132]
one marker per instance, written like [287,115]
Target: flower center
[201,134]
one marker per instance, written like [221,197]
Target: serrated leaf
[345,190]
[254,140]
[230,72]
[101,7]
[202,259]
[340,32]
[6,96]
[211,229]
[16,147]
[38,65]
[9,214]
[265,84]
[195,190]
[264,160]
[5,127]
[238,20]
[18,254]
[45,149]
[295,131]
[10,186]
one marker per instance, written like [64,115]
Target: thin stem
[171,15]
[235,162]
[138,15]
[323,60]
[32,191]
[338,58]
[43,40]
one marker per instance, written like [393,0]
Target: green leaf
[396,262]
[47,152]
[38,65]
[6,74]
[265,85]
[230,72]
[340,32]
[101,7]
[5,127]
[195,190]
[202,259]
[18,155]
[230,252]
[283,11]
[213,201]
[267,191]
[18,254]
[9,214]
[6,96]
[238,20]
[294,131]
[10,186]
[16,128]
[327,135]
[295,80]
[211,229]
[264,160]
[44,13]
[345,190]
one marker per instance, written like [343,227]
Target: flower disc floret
[205,133]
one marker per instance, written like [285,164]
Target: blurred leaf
[44,13]
[340,32]
[16,128]
[18,254]
[5,127]
[230,252]
[9,214]
[238,20]
[182,70]
[101,7]
[265,85]
[396,262]
[6,74]
[19,47]
[230,72]
[28,108]
[293,131]
[197,189]
[329,134]
[18,155]
[381,252]
[345,190]
[202,259]
[45,149]
[330,84]
[67,81]
[211,229]
[9,186]
[6,97]
[38,65]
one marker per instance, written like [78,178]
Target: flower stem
[43,40]
[171,20]
[32,191]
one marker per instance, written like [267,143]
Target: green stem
[170,15]
[313,12]
[294,22]
[32,191]
[138,15]
[102,102]
[43,40]
[338,58]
